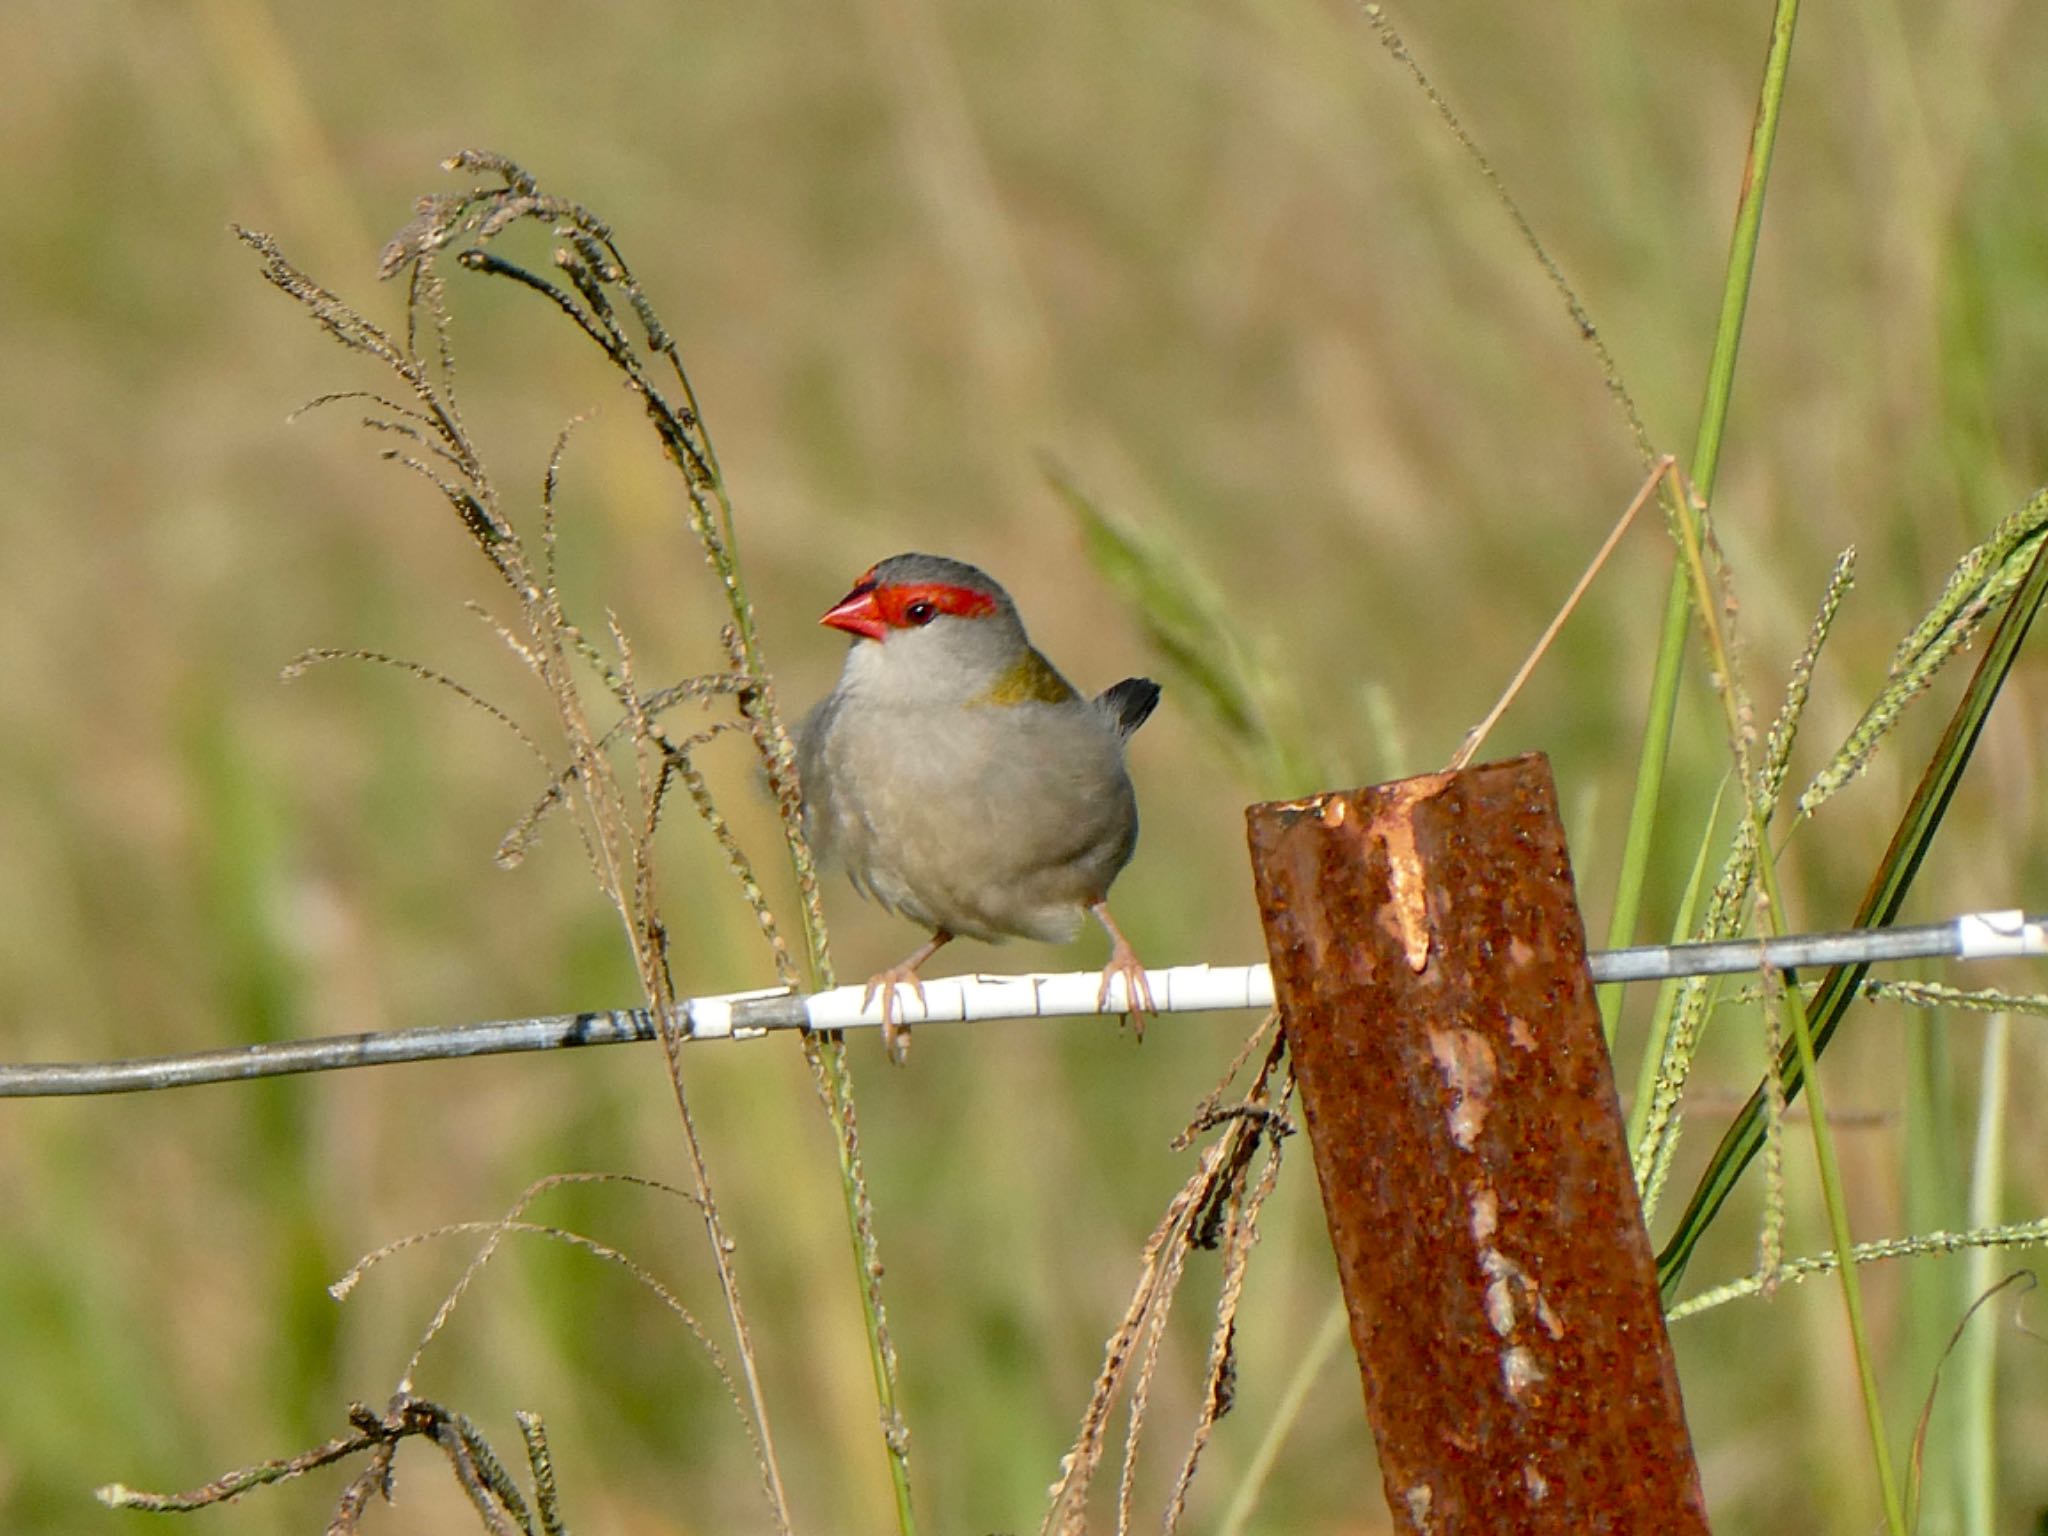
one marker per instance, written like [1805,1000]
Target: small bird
[961,780]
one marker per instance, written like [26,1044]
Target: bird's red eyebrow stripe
[894,601]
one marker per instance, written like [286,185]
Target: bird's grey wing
[812,780]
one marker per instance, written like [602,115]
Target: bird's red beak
[858,614]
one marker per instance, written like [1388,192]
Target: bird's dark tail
[1129,703]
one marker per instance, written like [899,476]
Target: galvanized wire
[1175,989]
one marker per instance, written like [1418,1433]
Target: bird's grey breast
[985,821]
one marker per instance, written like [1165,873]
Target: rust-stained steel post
[1430,964]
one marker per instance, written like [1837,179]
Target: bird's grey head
[927,627]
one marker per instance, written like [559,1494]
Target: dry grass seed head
[1212,1204]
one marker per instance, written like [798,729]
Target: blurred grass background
[1226,265]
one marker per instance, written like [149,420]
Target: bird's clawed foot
[895,1035]
[1124,962]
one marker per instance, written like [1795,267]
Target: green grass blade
[1932,1186]
[1667,994]
[1976,1356]
[1706,463]
[1835,1197]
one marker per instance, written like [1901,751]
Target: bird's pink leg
[1124,962]
[896,1037]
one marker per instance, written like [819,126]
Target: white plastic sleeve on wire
[1986,935]
[1175,989]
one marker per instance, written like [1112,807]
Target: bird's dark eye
[921,612]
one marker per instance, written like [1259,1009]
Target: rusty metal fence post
[1430,964]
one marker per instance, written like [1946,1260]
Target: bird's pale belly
[972,838]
